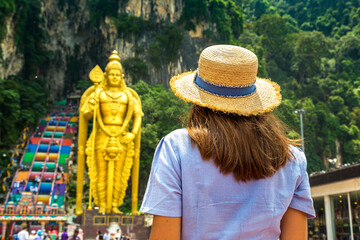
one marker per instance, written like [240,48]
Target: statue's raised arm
[112,149]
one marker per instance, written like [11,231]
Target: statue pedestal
[91,222]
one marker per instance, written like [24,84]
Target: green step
[59,201]
[43,123]
[48,134]
[37,166]
[72,124]
[28,157]
[62,158]
[58,134]
[50,167]
[68,135]
[15,197]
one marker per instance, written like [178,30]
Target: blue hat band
[224,91]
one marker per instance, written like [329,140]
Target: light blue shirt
[216,206]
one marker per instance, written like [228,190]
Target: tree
[101,8]
[309,49]
[226,17]
[260,7]
[20,102]
[194,11]
[272,29]
[136,68]
[10,112]
[30,37]
[163,113]
[6,8]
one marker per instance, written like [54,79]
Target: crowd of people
[54,235]
[107,236]
[47,235]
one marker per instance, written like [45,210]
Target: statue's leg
[119,165]
[125,173]
[101,165]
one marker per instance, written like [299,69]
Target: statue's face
[114,78]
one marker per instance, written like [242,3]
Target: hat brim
[265,98]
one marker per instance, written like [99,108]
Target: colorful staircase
[38,188]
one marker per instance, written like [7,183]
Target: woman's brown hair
[253,147]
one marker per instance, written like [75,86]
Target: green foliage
[70,5]
[194,12]
[72,73]
[309,49]
[166,47]
[272,29]
[20,101]
[227,17]
[328,17]
[224,15]
[170,42]
[126,206]
[100,8]
[10,111]
[163,48]
[317,66]
[129,26]
[6,8]
[260,7]
[276,41]
[83,84]
[163,113]
[349,48]
[155,53]
[6,168]
[219,16]
[71,193]
[136,68]
[30,37]
[326,22]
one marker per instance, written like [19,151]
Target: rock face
[167,10]
[12,59]
[73,40]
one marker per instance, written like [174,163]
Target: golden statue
[112,150]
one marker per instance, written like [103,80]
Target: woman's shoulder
[178,133]
[298,153]
[179,141]
[177,137]
[298,158]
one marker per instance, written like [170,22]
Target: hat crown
[227,65]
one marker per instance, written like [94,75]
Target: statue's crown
[114,56]
[114,61]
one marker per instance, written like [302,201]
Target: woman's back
[232,174]
[214,206]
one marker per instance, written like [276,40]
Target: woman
[233,173]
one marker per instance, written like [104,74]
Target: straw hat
[226,81]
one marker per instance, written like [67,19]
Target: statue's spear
[96,76]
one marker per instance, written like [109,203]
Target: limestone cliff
[168,10]
[12,58]
[75,43]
